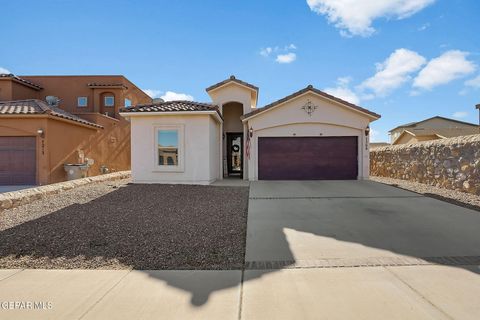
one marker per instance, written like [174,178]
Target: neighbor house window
[169,147]
[128,103]
[109,101]
[82,101]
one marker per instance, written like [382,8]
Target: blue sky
[405,59]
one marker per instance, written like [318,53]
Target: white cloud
[152,93]
[449,66]
[342,91]
[4,71]
[266,51]
[172,96]
[355,17]
[424,27]
[393,72]
[283,54]
[286,58]
[474,83]
[460,114]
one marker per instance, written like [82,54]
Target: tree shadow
[179,227]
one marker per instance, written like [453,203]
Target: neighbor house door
[235,154]
[18,161]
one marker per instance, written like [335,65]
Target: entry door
[307,158]
[18,161]
[235,154]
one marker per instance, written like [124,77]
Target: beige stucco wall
[198,154]
[233,93]
[329,119]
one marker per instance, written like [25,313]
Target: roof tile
[173,106]
[34,106]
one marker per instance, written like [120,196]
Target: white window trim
[78,102]
[105,101]
[181,148]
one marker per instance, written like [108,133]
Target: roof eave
[171,113]
[299,94]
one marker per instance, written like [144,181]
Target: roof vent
[232,77]
[52,101]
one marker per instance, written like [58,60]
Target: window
[82,101]
[109,101]
[128,103]
[169,148]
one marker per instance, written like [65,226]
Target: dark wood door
[307,158]
[18,161]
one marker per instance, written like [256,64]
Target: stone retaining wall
[452,163]
[14,199]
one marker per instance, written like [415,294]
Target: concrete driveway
[358,250]
[315,250]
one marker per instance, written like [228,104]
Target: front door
[235,154]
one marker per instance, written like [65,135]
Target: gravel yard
[459,198]
[117,225]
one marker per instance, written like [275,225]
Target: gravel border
[119,225]
[458,198]
[17,198]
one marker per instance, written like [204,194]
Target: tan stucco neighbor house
[308,135]
[431,129]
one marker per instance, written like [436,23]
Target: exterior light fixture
[367,131]
[41,132]
[250,132]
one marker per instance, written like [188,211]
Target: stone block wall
[452,163]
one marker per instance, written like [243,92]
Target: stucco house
[308,135]
[37,137]
[431,129]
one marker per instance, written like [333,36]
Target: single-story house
[431,129]
[308,135]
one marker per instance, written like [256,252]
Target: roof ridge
[232,78]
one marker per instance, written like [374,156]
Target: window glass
[82,101]
[128,103]
[109,101]
[167,147]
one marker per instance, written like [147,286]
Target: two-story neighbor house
[431,129]
[47,121]
[308,135]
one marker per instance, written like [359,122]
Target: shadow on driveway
[149,227]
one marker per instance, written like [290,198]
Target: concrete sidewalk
[407,292]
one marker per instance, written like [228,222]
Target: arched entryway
[233,139]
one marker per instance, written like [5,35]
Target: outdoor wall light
[41,133]
[250,132]
[367,131]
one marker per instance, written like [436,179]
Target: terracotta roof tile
[21,80]
[307,89]
[173,106]
[232,79]
[34,106]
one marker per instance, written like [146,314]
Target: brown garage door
[307,158]
[17,160]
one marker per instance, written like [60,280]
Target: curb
[9,200]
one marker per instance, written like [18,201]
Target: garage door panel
[307,158]
[17,160]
